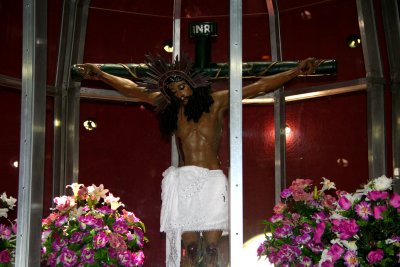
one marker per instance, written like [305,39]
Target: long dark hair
[198,103]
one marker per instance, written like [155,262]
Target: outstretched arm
[124,86]
[270,83]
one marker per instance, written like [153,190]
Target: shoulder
[221,99]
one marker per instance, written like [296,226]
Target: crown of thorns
[160,72]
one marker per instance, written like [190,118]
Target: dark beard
[197,104]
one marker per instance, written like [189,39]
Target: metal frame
[33,112]
[279,102]
[177,50]
[375,89]
[391,22]
[67,97]
[235,140]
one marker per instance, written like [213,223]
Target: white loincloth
[193,199]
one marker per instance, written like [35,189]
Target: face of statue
[181,90]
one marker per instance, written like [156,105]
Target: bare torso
[198,142]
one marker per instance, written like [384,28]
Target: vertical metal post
[391,22]
[236,152]
[279,102]
[177,50]
[375,89]
[33,104]
[66,100]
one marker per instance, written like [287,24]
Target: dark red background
[126,153]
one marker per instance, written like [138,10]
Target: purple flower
[5,232]
[395,200]
[140,236]
[105,210]
[138,258]
[125,258]
[378,212]
[5,257]
[60,221]
[319,216]
[120,226]
[260,249]
[76,237]
[112,253]
[319,231]
[376,195]
[363,209]
[283,231]
[375,256]
[52,259]
[350,259]
[327,264]
[87,255]
[276,218]
[68,257]
[316,248]
[286,193]
[344,203]
[305,261]
[58,244]
[345,228]
[335,252]
[100,240]
[116,241]
[303,239]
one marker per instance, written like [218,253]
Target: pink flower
[130,216]
[276,218]
[286,193]
[376,195]
[378,212]
[117,242]
[345,228]
[5,257]
[300,184]
[329,201]
[301,195]
[335,252]
[344,203]
[260,249]
[64,203]
[279,208]
[375,256]
[363,209]
[395,200]
[350,259]
[100,240]
[319,231]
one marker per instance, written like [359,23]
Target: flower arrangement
[357,229]
[298,225]
[366,225]
[91,228]
[8,230]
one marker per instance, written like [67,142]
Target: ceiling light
[353,41]
[168,47]
[89,124]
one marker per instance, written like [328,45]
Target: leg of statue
[211,239]
[191,249]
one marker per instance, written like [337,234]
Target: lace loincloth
[193,199]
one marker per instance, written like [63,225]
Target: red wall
[126,153]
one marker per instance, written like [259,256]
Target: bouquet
[366,225]
[354,229]
[91,228]
[299,228]
[8,230]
